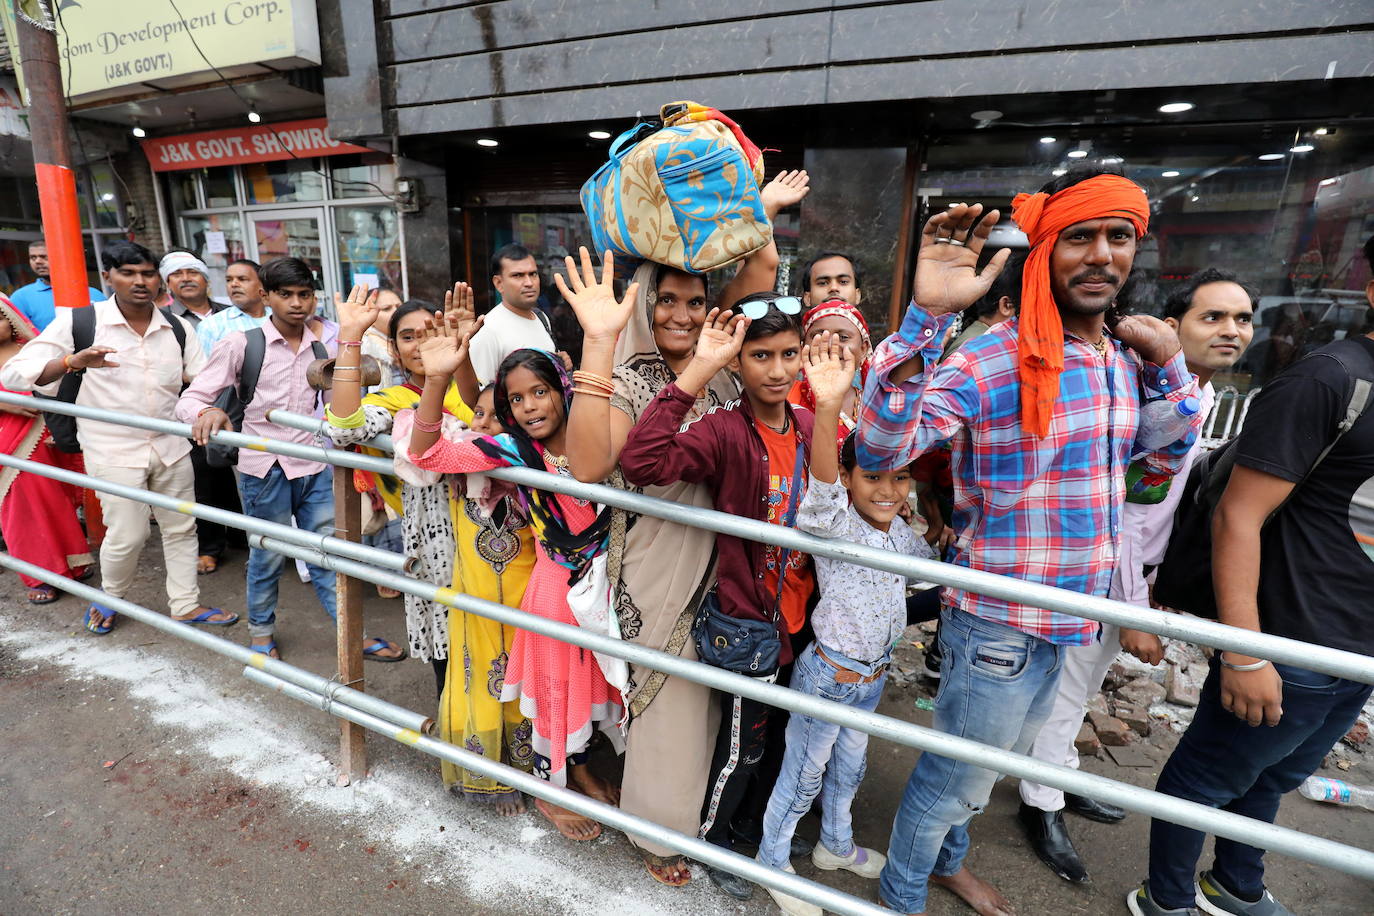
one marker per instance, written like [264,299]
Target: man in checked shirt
[1044,414]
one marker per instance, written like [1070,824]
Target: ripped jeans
[997,688]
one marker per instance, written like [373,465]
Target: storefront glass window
[219,187]
[181,189]
[368,245]
[363,175]
[1291,225]
[283,182]
[106,196]
[218,241]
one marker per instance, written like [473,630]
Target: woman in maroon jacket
[745,452]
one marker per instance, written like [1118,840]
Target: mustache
[1094,276]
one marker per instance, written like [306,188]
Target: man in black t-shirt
[1308,574]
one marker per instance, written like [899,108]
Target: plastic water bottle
[1337,792]
[1166,419]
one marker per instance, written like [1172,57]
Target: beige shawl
[660,570]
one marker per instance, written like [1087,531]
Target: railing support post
[348,525]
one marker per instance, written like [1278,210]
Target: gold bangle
[592,391]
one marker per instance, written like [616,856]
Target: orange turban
[1040,330]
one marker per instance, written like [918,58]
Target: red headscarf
[843,309]
[1040,330]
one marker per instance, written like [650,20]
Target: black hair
[283,272]
[806,271]
[512,252]
[1082,171]
[774,321]
[122,251]
[664,270]
[541,364]
[1007,283]
[404,309]
[38,243]
[257,268]
[1181,299]
[1369,251]
[849,452]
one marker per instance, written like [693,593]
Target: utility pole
[52,162]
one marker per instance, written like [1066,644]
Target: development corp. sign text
[263,143]
[107,46]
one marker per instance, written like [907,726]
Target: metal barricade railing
[1252,832]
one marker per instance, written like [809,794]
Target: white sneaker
[791,905]
[866,863]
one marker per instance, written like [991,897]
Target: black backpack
[234,399]
[63,427]
[1183,579]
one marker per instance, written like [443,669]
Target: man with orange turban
[1043,413]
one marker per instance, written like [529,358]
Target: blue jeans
[310,500]
[821,759]
[1226,763]
[997,687]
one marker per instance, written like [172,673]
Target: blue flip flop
[94,614]
[370,653]
[205,619]
[266,650]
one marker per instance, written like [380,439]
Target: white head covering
[181,260]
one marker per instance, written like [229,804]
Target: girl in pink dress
[560,687]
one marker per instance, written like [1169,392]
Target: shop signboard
[238,145]
[148,44]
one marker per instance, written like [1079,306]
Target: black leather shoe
[750,833]
[1050,840]
[732,884]
[1098,811]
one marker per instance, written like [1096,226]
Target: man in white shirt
[1213,314]
[135,365]
[516,321]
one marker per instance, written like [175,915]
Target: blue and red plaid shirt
[1041,510]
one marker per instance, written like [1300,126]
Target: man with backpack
[126,355]
[1213,315]
[266,368]
[1306,458]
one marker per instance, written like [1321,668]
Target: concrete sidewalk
[221,796]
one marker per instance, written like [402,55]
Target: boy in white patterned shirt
[860,615]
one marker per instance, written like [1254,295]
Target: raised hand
[1151,337]
[458,302]
[947,277]
[721,338]
[829,368]
[441,349]
[357,313]
[785,190]
[593,301]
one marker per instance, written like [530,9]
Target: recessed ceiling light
[1321,131]
[987,114]
[1270,157]
[1302,148]
[1077,153]
[487,141]
[107,196]
[1176,107]
[1171,173]
[253,116]
[1047,139]
[1193,198]
[1326,181]
[599,134]
[1057,172]
[138,130]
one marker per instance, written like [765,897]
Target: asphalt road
[141,775]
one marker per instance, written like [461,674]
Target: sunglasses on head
[754,309]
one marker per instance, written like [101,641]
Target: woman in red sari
[37,514]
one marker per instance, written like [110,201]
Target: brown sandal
[658,867]
[562,822]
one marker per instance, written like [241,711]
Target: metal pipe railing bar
[321,428]
[226,437]
[1211,820]
[324,543]
[1336,662]
[331,689]
[829,898]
